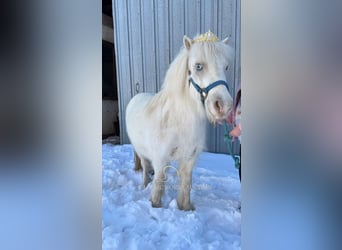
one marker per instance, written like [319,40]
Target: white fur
[170,125]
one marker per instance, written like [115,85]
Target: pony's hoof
[186,207]
[144,185]
[156,204]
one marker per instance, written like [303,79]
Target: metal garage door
[148,35]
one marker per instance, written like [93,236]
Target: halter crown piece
[206,37]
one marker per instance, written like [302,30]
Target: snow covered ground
[129,221]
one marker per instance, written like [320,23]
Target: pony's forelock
[218,49]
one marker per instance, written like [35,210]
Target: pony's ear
[187,42]
[226,40]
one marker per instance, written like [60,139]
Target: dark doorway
[110,120]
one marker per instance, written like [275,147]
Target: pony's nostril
[218,106]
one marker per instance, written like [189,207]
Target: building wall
[149,34]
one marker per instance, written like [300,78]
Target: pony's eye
[227,68]
[198,66]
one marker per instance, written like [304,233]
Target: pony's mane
[177,75]
[175,81]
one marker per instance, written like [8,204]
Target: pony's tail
[137,163]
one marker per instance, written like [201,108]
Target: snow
[130,222]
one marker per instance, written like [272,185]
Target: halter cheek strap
[204,91]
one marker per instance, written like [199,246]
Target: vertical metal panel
[135,47]
[192,22]
[162,40]
[123,68]
[177,26]
[148,47]
[149,34]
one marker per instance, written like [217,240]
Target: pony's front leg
[158,185]
[185,177]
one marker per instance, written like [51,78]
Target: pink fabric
[236,131]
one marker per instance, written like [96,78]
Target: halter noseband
[204,91]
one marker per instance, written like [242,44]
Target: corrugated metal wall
[148,35]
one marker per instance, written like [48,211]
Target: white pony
[170,125]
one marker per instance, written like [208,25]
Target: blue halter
[204,91]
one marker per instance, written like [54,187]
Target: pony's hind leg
[185,175]
[158,185]
[137,162]
[141,163]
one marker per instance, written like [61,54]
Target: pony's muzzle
[221,108]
